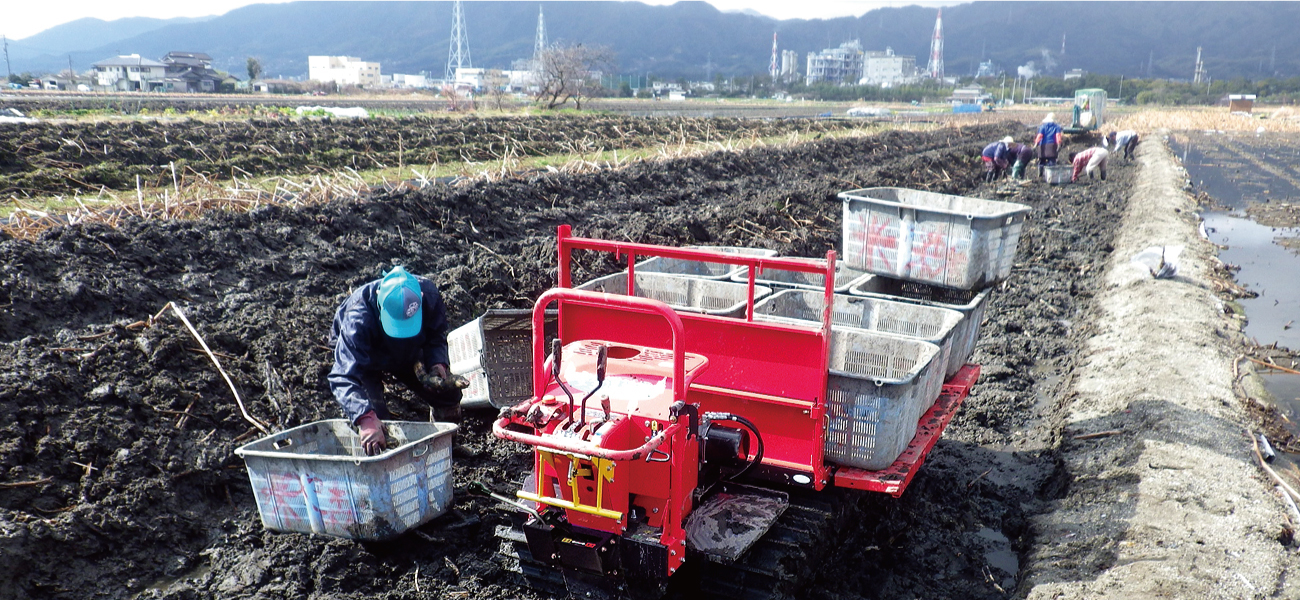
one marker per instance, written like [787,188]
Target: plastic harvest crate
[495,353]
[926,323]
[970,304]
[315,478]
[1056,175]
[845,277]
[875,395]
[700,269]
[954,241]
[722,298]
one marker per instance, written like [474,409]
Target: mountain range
[695,40]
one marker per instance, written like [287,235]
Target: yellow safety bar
[605,470]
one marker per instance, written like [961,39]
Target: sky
[23,18]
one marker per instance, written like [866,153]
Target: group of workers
[1004,153]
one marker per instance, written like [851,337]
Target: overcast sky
[23,18]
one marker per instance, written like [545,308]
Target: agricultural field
[117,472]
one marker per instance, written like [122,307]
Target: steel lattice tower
[772,68]
[458,52]
[540,44]
[936,49]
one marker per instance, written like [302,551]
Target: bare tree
[571,72]
[495,83]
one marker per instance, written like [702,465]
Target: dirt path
[1172,505]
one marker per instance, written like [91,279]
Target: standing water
[1238,170]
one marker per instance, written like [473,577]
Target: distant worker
[1020,155]
[1048,141]
[1090,160]
[995,159]
[1127,140]
[395,325]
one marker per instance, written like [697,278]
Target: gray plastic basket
[710,297]
[495,353]
[970,304]
[845,277]
[879,386]
[700,269]
[1056,175]
[315,478]
[926,323]
[954,241]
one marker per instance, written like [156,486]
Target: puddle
[999,554]
[1268,269]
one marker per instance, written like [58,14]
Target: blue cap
[400,304]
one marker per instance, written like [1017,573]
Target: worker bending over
[395,325]
[1127,140]
[1048,141]
[995,159]
[1090,160]
[1020,155]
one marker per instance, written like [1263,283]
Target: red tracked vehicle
[663,435]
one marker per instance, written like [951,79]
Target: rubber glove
[372,433]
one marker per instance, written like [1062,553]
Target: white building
[343,70]
[886,69]
[470,77]
[130,73]
[401,80]
[836,65]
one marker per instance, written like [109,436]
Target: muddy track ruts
[125,499]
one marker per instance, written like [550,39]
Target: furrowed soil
[108,489]
[48,158]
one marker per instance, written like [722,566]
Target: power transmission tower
[936,49]
[1199,74]
[772,67]
[458,52]
[540,44]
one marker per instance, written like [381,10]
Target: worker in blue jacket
[395,325]
[1048,141]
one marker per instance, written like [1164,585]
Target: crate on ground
[722,298]
[967,302]
[495,354]
[877,387]
[701,269]
[315,478]
[953,241]
[1057,174]
[845,277]
[939,326]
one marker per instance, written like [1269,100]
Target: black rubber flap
[729,521]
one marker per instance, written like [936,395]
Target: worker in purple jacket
[995,159]
[1020,155]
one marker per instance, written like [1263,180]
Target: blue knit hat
[400,304]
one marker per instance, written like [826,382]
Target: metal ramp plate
[725,525]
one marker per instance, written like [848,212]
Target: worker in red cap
[395,325]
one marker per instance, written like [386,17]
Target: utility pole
[1120,96]
[7,67]
[72,75]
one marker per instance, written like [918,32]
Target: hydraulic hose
[758,438]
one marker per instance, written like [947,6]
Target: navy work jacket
[363,352]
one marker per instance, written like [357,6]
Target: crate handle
[282,443]
[420,450]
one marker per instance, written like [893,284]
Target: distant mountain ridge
[87,34]
[697,41]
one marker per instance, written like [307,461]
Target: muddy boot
[452,414]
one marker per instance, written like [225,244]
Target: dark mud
[82,157]
[105,493]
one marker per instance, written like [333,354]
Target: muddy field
[82,157]
[108,489]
